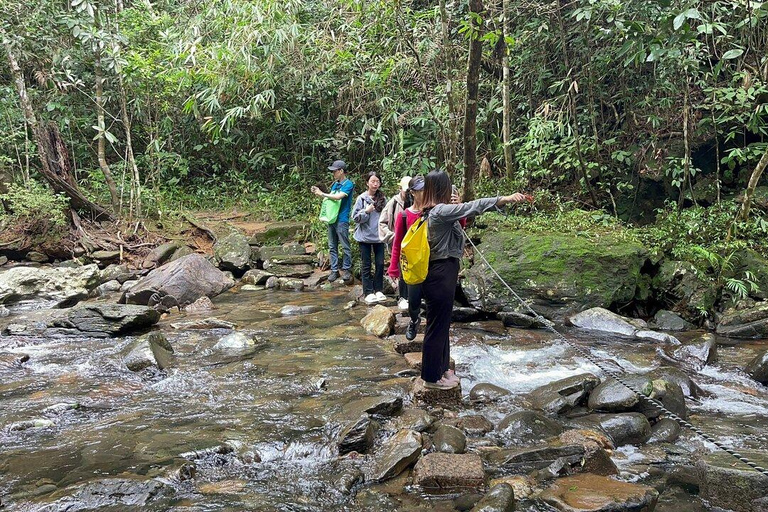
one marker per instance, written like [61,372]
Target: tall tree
[476,12]
[507,109]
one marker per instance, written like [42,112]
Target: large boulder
[103,320]
[593,493]
[669,321]
[555,270]
[758,367]
[601,319]
[232,252]
[562,396]
[528,427]
[624,428]
[64,285]
[613,396]
[745,323]
[680,284]
[724,483]
[114,494]
[280,233]
[185,280]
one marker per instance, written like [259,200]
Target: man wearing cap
[341,189]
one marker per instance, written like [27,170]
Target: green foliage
[35,205]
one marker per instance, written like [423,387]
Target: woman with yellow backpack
[445,248]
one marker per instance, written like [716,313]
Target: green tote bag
[329,210]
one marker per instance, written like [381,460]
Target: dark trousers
[402,289]
[375,283]
[338,233]
[439,290]
[414,301]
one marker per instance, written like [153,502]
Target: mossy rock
[279,233]
[749,260]
[680,284]
[556,269]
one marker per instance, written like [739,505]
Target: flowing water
[284,402]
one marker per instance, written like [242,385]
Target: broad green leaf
[732,54]
[679,20]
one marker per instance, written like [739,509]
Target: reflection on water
[278,406]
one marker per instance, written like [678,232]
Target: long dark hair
[437,188]
[379,200]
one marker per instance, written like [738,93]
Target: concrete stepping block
[404,346]
[445,472]
[435,396]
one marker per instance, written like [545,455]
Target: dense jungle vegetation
[630,111]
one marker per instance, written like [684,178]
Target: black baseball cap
[417,183]
[338,164]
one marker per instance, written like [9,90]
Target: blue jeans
[339,232]
[375,283]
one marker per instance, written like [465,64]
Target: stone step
[435,396]
[447,472]
[403,346]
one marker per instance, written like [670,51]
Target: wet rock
[204,324]
[446,472]
[591,440]
[60,408]
[593,493]
[397,454]
[235,341]
[128,285]
[435,396]
[150,350]
[501,498]
[680,378]
[256,277]
[669,321]
[600,319]
[160,254]
[418,420]
[523,485]
[348,480]
[465,502]
[757,368]
[465,314]
[383,405]
[30,424]
[745,323]
[671,397]
[108,287]
[472,424]
[379,321]
[355,293]
[485,392]
[284,283]
[665,431]
[613,396]
[403,346]
[232,252]
[294,310]
[357,436]
[272,251]
[527,427]
[521,319]
[37,257]
[693,356]
[295,271]
[186,280]
[525,460]
[111,493]
[120,273]
[563,395]
[65,286]
[12,360]
[4,311]
[624,428]
[598,462]
[448,439]
[101,320]
[200,305]
[288,260]
[663,337]
[727,484]
[279,233]
[678,283]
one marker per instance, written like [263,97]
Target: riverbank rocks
[601,319]
[745,323]
[665,430]
[485,392]
[525,460]
[379,321]
[276,251]
[727,484]
[103,320]
[160,254]
[558,271]
[256,277]
[624,428]
[679,377]
[279,233]
[612,396]
[397,454]
[232,252]
[594,493]
[150,350]
[757,368]
[284,283]
[563,395]
[200,305]
[357,436]
[383,405]
[449,439]
[669,321]
[445,472]
[186,280]
[692,356]
[678,283]
[64,285]
[527,427]
[501,498]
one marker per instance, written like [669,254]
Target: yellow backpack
[414,253]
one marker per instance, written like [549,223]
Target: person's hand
[315,190]
[517,197]
[369,208]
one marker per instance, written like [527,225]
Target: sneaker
[410,331]
[334,275]
[346,275]
[371,298]
[451,376]
[441,384]
[380,297]
[402,304]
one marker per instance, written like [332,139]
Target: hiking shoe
[371,298]
[410,331]
[443,384]
[334,275]
[346,275]
[450,376]
[380,297]
[402,304]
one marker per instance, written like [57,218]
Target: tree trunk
[470,110]
[507,114]
[451,143]
[753,180]
[135,204]
[54,161]
[101,142]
